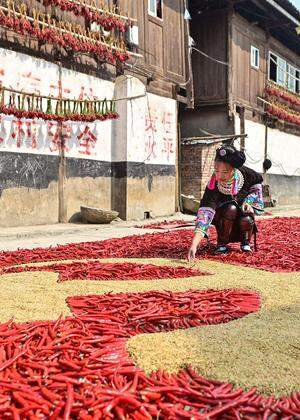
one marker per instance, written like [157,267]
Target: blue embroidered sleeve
[204,218]
[255,198]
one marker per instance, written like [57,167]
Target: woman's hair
[229,154]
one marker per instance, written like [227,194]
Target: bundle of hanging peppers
[273,90]
[63,38]
[278,249]
[28,105]
[282,104]
[108,19]
[284,114]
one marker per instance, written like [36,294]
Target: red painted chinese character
[18,132]
[86,95]
[168,134]
[150,146]
[31,132]
[54,90]
[33,81]
[168,123]
[168,147]
[87,141]
[150,130]
[1,129]
[151,121]
[59,136]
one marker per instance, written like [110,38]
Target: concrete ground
[59,234]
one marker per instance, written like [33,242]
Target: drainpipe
[190,90]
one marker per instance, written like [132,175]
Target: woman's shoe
[221,249]
[245,247]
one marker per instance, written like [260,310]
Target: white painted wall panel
[283,149]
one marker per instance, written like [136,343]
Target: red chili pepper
[69,402]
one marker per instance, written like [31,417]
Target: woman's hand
[193,248]
[247,209]
[192,253]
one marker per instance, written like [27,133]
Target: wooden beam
[212,137]
[242,127]
[283,12]
[230,74]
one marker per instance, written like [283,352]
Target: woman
[231,199]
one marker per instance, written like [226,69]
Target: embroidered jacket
[246,188]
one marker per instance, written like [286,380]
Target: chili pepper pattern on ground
[79,368]
[278,248]
[96,270]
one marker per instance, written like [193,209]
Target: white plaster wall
[146,131]
[23,72]
[147,128]
[33,75]
[283,149]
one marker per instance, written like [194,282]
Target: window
[284,73]
[254,57]
[281,71]
[155,8]
[291,77]
[133,35]
[273,67]
[297,84]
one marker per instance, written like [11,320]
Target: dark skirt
[236,234]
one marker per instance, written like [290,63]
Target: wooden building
[246,71]
[48,169]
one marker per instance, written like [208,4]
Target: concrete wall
[127,164]
[285,189]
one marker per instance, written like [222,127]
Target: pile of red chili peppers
[79,367]
[95,270]
[278,248]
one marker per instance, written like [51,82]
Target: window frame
[154,14]
[291,77]
[255,54]
[297,82]
[287,73]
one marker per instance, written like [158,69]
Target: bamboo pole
[21,92]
